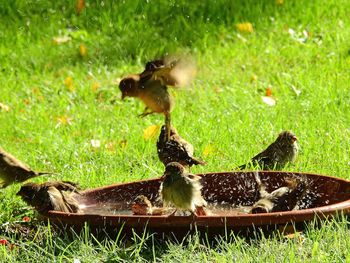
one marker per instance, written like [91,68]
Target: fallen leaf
[26,101]
[82,50]
[95,86]
[4,107]
[61,39]
[269,100]
[64,120]
[111,146]
[80,6]
[209,149]
[245,27]
[150,132]
[68,82]
[95,144]
[253,78]
[26,219]
[268,92]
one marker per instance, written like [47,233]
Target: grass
[222,114]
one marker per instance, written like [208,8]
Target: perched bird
[151,86]
[278,154]
[282,199]
[13,170]
[181,189]
[58,196]
[175,149]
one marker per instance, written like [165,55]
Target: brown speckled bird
[151,86]
[175,149]
[278,154]
[282,199]
[13,170]
[181,189]
[58,196]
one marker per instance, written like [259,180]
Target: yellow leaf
[95,86]
[80,6]
[82,50]
[245,27]
[209,149]
[68,82]
[4,107]
[253,78]
[61,39]
[64,120]
[269,100]
[150,132]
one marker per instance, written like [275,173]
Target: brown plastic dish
[327,196]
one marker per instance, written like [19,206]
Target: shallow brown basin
[326,196]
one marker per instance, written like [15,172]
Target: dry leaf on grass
[68,82]
[268,92]
[209,149]
[64,120]
[151,132]
[61,39]
[95,144]
[82,50]
[4,107]
[80,5]
[268,100]
[245,27]
[95,86]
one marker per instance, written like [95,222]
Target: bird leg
[167,126]
[145,113]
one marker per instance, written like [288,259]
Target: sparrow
[182,190]
[13,170]
[151,86]
[276,155]
[175,149]
[58,196]
[143,206]
[282,199]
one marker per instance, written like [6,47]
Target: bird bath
[229,196]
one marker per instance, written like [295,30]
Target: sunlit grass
[221,111]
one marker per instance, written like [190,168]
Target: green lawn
[60,100]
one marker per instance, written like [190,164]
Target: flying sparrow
[181,189]
[58,196]
[175,149]
[278,154]
[151,86]
[13,170]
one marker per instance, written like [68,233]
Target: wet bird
[58,196]
[277,154]
[13,170]
[282,199]
[182,190]
[151,86]
[175,149]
